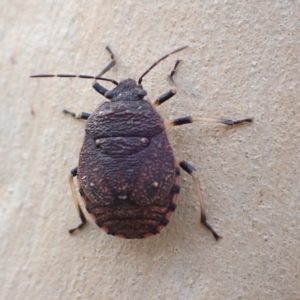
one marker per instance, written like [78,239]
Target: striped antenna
[72,76]
[158,61]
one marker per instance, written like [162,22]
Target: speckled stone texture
[243,61]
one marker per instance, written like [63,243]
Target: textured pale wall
[243,61]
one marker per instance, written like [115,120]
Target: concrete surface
[243,61]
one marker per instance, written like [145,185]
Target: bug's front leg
[191,171]
[99,88]
[169,94]
[76,201]
[110,65]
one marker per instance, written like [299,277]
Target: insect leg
[190,119]
[82,115]
[110,65]
[99,88]
[191,171]
[169,94]
[76,201]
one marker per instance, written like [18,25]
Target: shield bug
[127,174]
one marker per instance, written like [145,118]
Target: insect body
[127,173]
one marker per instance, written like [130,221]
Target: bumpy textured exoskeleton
[127,171]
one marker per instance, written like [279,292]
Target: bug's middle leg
[190,119]
[76,201]
[191,171]
[169,94]
[82,115]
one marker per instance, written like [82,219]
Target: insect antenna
[158,61]
[72,76]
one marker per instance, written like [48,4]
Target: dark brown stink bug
[127,173]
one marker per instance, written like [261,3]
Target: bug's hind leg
[169,94]
[76,201]
[191,171]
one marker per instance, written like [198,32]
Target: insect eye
[108,94]
[142,94]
